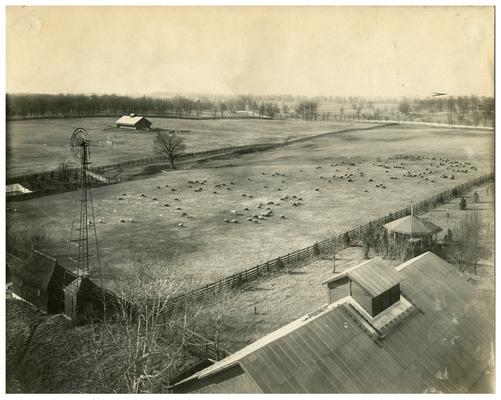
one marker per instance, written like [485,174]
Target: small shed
[133,121]
[84,301]
[39,280]
[374,285]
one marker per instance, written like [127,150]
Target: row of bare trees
[75,105]
[468,110]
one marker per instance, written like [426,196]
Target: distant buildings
[416,328]
[133,121]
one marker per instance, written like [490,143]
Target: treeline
[71,105]
[467,110]
[78,105]
[464,110]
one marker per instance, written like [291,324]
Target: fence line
[298,258]
[41,176]
[243,279]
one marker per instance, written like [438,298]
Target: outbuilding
[39,280]
[133,121]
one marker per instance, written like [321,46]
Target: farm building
[133,121]
[15,189]
[410,329]
[83,301]
[39,280]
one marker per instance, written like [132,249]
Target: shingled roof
[445,347]
[35,270]
[412,225]
[375,276]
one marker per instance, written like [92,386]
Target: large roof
[36,270]
[446,346]
[412,225]
[127,120]
[375,276]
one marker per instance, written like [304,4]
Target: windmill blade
[79,143]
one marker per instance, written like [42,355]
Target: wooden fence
[48,175]
[299,258]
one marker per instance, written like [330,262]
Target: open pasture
[223,215]
[42,145]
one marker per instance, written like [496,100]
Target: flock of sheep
[347,171]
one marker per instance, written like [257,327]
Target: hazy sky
[374,51]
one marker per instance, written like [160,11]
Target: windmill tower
[83,229]
[83,232]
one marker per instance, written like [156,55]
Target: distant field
[41,145]
[207,248]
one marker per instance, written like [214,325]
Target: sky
[333,51]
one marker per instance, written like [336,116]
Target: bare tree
[210,321]
[222,108]
[467,248]
[172,144]
[148,338]
[21,239]
[64,172]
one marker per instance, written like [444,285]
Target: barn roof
[375,276]
[36,270]
[444,347]
[412,225]
[127,120]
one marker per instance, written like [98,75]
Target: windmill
[83,229]
[83,233]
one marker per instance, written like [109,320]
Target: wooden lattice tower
[83,232]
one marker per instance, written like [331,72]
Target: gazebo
[417,232]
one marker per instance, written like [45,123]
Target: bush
[346,239]
[462,203]
[455,192]
[316,250]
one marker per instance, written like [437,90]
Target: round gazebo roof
[413,226]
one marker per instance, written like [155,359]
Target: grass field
[207,248]
[248,315]
[253,313]
[41,145]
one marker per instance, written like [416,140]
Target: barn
[133,121]
[39,280]
[417,328]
